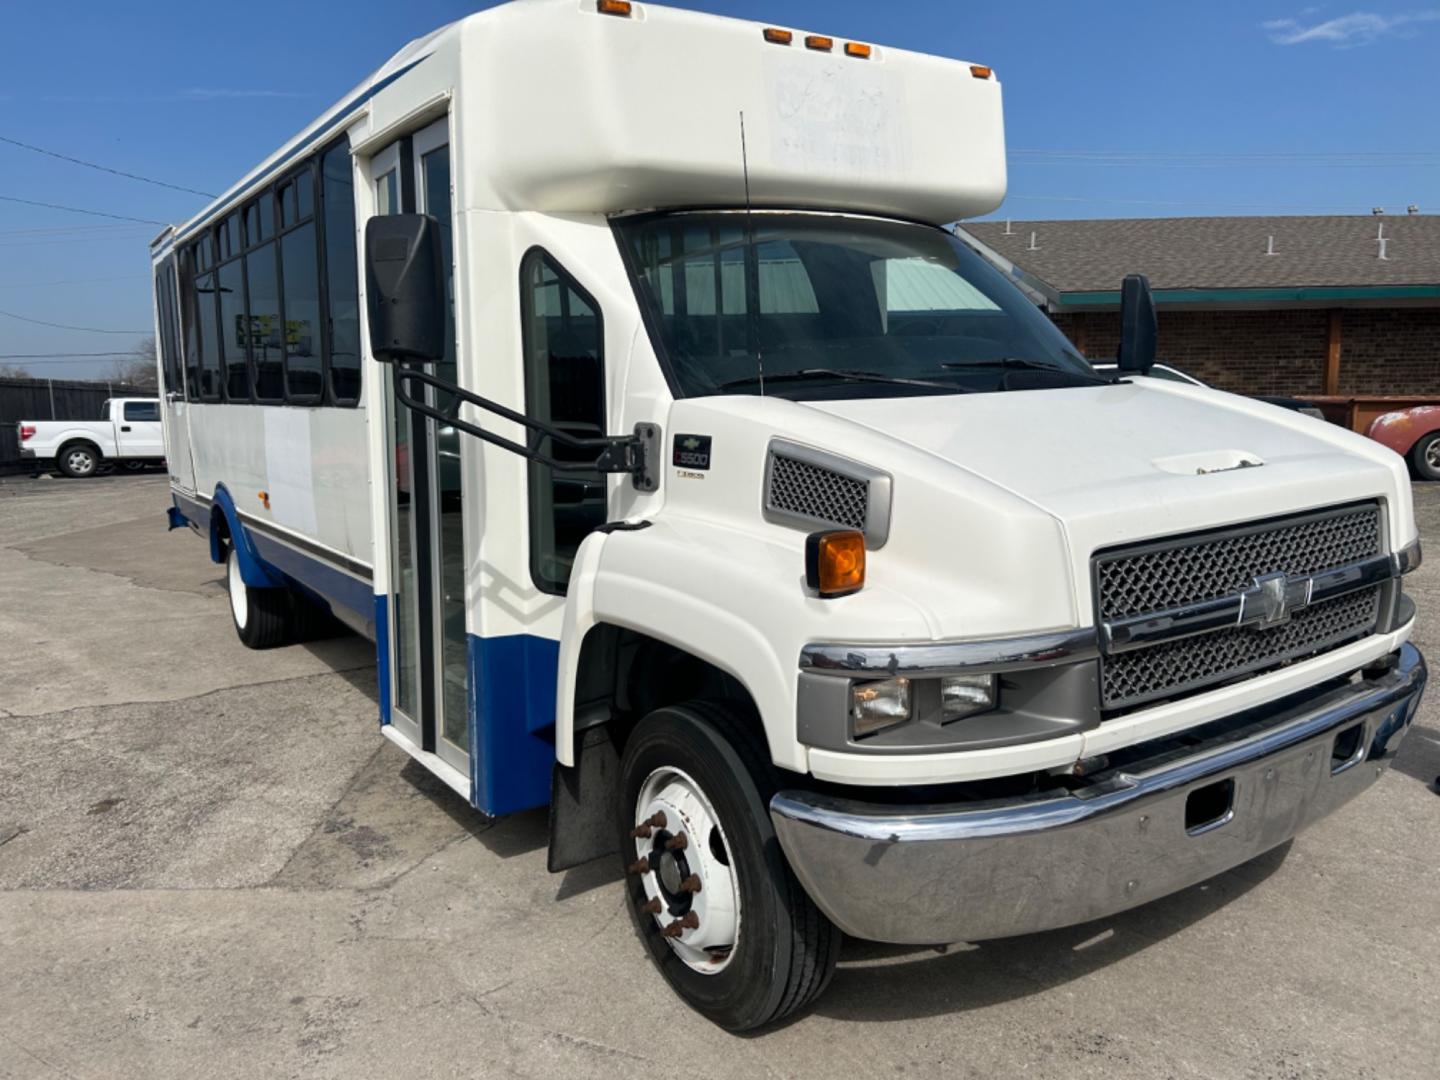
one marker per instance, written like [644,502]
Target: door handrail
[631,454]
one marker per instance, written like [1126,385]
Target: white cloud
[1347,31]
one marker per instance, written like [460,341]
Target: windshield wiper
[1021,363]
[849,375]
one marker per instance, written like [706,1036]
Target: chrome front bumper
[971,871]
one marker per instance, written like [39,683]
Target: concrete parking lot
[212,865]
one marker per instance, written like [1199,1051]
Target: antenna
[752,290]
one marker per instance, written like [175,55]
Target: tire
[78,460]
[261,616]
[1425,457]
[706,762]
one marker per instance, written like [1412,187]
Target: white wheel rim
[709,946]
[239,601]
[80,461]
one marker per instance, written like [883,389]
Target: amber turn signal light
[835,562]
[613,7]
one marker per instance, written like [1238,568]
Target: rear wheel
[1425,456]
[78,460]
[261,616]
[711,895]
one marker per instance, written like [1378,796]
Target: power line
[67,326]
[78,210]
[102,168]
[77,356]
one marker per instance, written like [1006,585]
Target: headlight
[965,695]
[875,706]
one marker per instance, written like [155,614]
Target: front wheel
[261,616]
[714,901]
[1425,456]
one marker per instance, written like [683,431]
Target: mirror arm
[633,454]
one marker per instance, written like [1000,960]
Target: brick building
[1257,305]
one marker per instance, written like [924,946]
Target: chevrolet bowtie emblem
[1273,599]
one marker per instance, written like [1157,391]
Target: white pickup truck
[130,435]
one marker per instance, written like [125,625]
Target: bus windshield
[825,306]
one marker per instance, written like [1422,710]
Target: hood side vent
[809,488]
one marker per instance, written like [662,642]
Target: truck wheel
[78,460]
[261,616]
[1425,456]
[711,895]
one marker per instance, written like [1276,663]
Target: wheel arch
[699,649]
[80,440]
[227,530]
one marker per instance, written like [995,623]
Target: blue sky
[1113,109]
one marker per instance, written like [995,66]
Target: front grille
[811,491]
[1153,577]
[1177,667]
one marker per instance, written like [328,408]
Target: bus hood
[1142,459]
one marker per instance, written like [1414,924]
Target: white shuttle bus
[612,368]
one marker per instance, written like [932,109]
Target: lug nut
[691,921]
[651,907]
[641,832]
[691,884]
[639,866]
[678,842]
[656,819]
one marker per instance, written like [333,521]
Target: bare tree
[138,369]
[15,371]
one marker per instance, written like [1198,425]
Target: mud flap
[582,803]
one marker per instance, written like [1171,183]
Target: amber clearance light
[835,562]
[613,7]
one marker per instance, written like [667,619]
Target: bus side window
[564,385]
[342,289]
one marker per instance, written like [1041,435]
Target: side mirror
[1137,326]
[405,287]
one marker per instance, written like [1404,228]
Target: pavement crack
[34,1056]
[195,697]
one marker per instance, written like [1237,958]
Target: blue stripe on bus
[512,721]
[331,584]
[382,654]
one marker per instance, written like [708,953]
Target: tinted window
[341,279]
[142,410]
[302,313]
[209,338]
[190,323]
[305,195]
[232,331]
[836,307]
[262,326]
[230,236]
[259,220]
[564,385]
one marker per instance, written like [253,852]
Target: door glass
[455,727]
[402,552]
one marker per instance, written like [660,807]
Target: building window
[563,342]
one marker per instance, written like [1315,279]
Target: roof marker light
[776,36]
[857,49]
[980,71]
[613,7]
[820,42]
